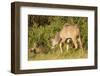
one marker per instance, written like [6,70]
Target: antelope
[68,32]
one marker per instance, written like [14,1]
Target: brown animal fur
[68,31]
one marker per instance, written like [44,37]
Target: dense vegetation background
[43,28]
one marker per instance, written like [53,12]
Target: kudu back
[68,32]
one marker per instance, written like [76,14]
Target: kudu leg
[80,42]
[60,47]
[67,47]
[67,44]
[62,41]
[75,43]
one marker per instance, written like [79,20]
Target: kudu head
[53,43]
[55,40]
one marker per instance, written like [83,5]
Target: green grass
[56,54]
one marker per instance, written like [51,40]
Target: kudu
[68,32]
